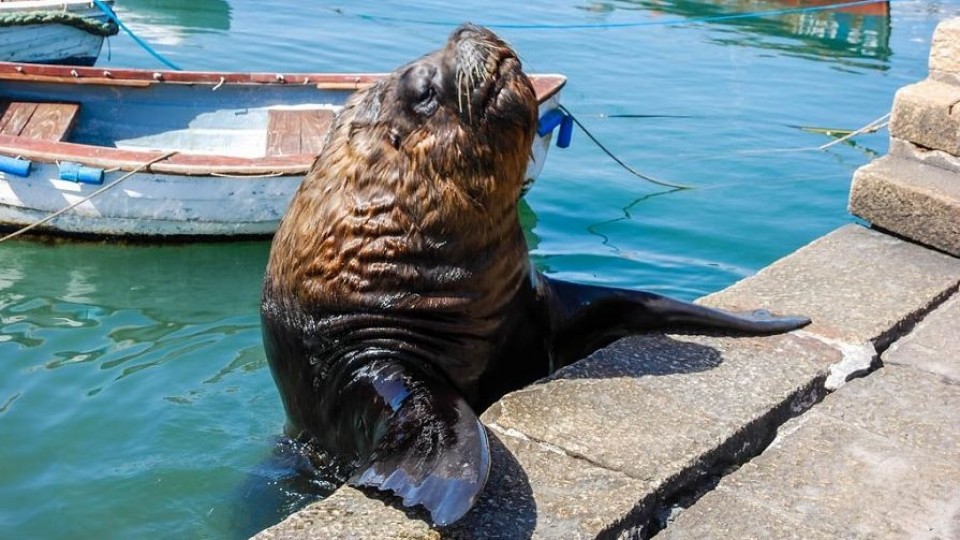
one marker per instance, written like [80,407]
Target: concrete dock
[849,428]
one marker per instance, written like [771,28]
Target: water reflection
[528,221]
[168,22]
[125,367]
[169,279]
[137,307]
[597,228]
[845,35]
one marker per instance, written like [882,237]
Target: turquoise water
[135,400]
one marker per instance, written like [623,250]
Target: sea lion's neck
[398,244]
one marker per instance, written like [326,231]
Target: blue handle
[15,166]
[549,122]
[76,172]
[565,135]
[554,118]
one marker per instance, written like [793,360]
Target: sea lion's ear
[425,444]
[366,104]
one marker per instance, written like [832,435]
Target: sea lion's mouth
[484,65]
[489,88]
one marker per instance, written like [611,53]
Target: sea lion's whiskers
[469,90]
[460,91]
[478,65]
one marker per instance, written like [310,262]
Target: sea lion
[399,297]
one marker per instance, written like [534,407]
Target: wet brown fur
[402,214]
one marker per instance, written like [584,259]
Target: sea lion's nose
[469,31]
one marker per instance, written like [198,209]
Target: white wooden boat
[243,143]
[53,31]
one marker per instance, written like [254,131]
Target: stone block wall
[914,192]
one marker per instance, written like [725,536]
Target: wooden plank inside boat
[51,121]
[313,130]
[15,117]
[42,121]
[293,132]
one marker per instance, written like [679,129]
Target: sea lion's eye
[427,93]
[427,103]
[419,92]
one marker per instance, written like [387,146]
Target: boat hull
[49,44]
[170,207]
[148,205]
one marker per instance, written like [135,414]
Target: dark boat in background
[53,31]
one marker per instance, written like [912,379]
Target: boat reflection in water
[168,22]
[847,34]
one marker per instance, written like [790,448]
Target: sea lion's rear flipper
[425,443]
[586,317]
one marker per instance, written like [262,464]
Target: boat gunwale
[546,85]
[49,5]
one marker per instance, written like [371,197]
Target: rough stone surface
[880,458]
[658,407]
[927,113]
[732,517]
[348,513]
[907,150]
[916,410]
[533,492]
[911,199]
[934,346]
[858,285]
[945,48]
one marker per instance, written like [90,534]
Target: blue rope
[578,26]
[113,16]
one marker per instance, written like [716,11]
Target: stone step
[902,149]
[880,458]
[912,199]
[934,346]
[859,286]
[928,114]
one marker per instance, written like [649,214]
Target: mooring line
[877,124]
[619,161]
[143,44]
[871,127]
[62,211]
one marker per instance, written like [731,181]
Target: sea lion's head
[425,165]
[473,87]
[461,117]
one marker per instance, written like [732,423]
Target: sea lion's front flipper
[586,317]
[425,443]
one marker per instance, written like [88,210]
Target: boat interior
[229,120]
